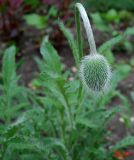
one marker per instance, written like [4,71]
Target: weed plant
[60,120]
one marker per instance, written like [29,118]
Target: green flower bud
[95,72]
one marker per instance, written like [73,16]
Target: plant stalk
[79,35]
[88,28]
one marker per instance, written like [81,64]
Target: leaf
[110,57]
[100,117]
[36,20]
[72,86]
[50,142]
[71,41]
[128,141]
[53,142]
[25,145]
[86,122]
[14,111]
[108,45]
[51,57]
[112,16]
[128,46]
[53,11]
[8,67]
[72,92]
[129,31]
[37,145]
[122,71]
[132,62]
[107,115]
[11,130]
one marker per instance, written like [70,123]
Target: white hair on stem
[88,28]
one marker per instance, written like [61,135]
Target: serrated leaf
[8,67]
[72,86]
[51,57]
[86,122]
[25,145]
[11,130]
[53,142]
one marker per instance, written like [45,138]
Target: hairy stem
[88,28]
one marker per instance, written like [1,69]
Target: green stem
[54,130]
[67,106]
[79,35]
[63,134]
[88,28]
[63,127]
[69,112]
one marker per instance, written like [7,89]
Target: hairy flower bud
[95,72]
[94,69]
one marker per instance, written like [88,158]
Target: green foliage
[12,94]
[40,21]
[76,118]
[100,23]
[104,22]
[36,20]
[107,47]
[8,69]
[13,100]
[59,120]
[112,15]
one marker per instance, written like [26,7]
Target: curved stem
[88,28]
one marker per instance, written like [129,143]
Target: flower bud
[95,72]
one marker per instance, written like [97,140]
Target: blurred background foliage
[23,25]
[104,5]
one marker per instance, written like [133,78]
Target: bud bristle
[95,72]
